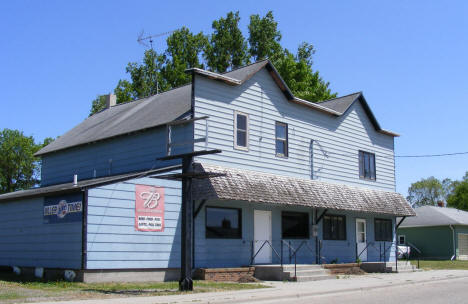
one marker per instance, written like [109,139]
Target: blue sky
[408,57]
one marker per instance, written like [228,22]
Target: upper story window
[241,131]
[281,131]
[366,165]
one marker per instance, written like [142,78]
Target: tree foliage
[427,191]
[19,169]
[224,49]
[459,196]
[227,47]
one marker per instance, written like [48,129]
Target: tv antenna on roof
[144,39]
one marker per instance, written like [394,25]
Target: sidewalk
[288,290]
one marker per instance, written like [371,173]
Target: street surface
[426,287]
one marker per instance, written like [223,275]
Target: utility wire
[432,155]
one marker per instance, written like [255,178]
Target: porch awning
[260,187]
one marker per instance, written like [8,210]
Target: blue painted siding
[26,241]
[336,140]
[237,252]
[115,156]
[113,242]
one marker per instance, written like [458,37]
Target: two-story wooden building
[291,174]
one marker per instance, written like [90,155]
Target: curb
[311,294]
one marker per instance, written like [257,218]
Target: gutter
[453,240]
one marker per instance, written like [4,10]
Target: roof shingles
[260,187]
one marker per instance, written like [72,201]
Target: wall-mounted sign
[149,208]
[63,209]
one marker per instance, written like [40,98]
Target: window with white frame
[241,131]
[281,139]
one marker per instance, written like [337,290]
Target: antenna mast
[143,40]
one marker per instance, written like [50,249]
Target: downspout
[453,240]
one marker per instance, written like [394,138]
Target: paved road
[443,292]
[427,287]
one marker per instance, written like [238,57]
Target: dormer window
[241,131]
[366,165]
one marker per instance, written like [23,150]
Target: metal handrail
[367,245]
[261,247]
[295,251]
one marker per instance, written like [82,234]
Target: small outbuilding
[438,232]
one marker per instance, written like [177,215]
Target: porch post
[186,282]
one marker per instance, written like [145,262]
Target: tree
[98,104]
[18,166]
[183,52]
[296,70]
[458,198]
[427,191]
[227,48]
[264,37]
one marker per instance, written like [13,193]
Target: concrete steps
[306,273]
[403,267]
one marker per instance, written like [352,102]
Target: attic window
[241,131]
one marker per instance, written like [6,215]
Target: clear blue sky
[410,58]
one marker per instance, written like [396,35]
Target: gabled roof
[427,216]
[337,106]
[163,108]
[260,187]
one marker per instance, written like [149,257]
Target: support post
[186,282]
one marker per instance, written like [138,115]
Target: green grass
[14,289]
[434,264]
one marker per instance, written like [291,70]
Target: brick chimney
[111,100]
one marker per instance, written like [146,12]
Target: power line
[432,155]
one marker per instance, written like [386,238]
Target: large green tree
[458,198]
[264,37]
[225,49]
[183,52]
[19,169]
[427,191]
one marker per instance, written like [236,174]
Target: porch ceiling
[260,187]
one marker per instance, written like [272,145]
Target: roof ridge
[359,92]
[242,67]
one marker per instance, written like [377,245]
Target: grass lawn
[434,264]
[13,290]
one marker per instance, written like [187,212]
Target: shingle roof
[160,109]
[125,118]
[260,187]
[436,216]
[83,184]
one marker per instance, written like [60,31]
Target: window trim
[239,211]
[375,230]
[236,146]
[307,234]
[286,155]
[373,177]
[404,238]
[345,228]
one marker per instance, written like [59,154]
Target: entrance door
[262,233]
[361,239]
